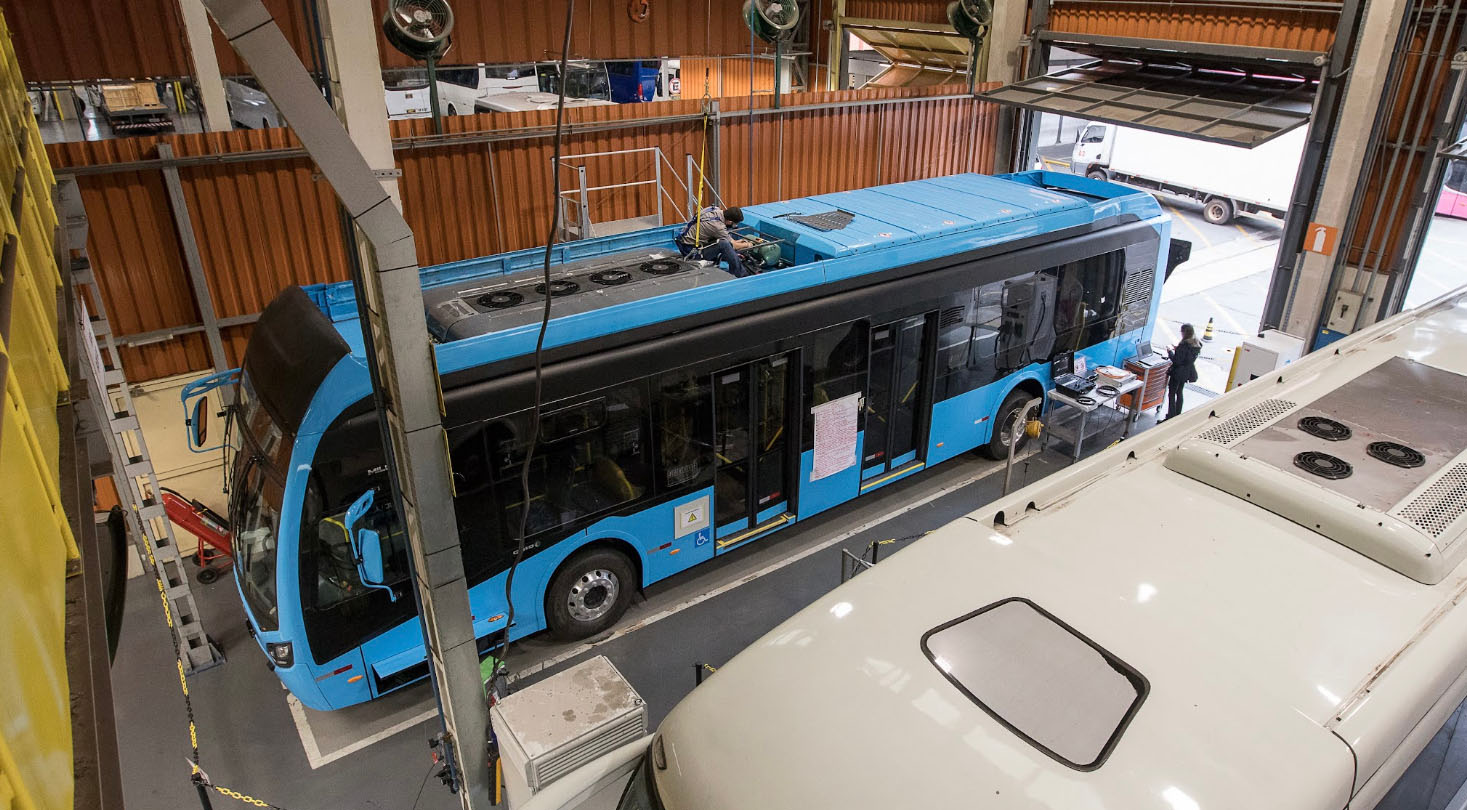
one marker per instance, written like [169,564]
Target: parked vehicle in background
[633,81]
[670,80]
[459,89]
[407,96]
[583,80]
[1453,199]
[1227,180]
[517,102]
[249,107]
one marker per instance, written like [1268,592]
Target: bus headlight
[281,654]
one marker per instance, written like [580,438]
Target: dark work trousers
[722,250]
[1174,386]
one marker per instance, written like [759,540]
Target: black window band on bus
[1040,678]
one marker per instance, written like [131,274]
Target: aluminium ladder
[137,482]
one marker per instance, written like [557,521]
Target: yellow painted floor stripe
[1190,225]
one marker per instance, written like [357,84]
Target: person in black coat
[1183,370]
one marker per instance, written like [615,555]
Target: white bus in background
[462,90]
[1227,180]
[1258,604]
[518,102]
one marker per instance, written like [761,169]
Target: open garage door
[1244,97]
[921,54]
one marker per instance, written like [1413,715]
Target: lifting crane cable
[702,156]
[519,552]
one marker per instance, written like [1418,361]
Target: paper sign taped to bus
[835,435]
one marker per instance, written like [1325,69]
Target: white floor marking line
[1166,329]
[317,759]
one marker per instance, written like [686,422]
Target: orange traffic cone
[1207,333]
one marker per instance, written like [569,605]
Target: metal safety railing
[576,201]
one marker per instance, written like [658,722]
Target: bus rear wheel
[589,593]
[1004,423]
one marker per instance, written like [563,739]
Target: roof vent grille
[1439,505]
[1244,423]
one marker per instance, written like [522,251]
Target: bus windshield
[258,490]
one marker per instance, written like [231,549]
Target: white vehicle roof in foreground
[1266,648]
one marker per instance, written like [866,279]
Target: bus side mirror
[366,545]
[198,423]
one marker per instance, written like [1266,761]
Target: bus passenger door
[896,403]
[753,454]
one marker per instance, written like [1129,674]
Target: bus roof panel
[920,209]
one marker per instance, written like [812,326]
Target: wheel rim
[1006,427]
[593,595]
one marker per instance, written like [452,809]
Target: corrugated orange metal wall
[1193,21]
[291,15]
[729,76]
[61,40]
[934,11]
[264,225]
[531,30]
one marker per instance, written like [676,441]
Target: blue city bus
[687,413]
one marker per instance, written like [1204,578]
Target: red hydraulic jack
[215,540]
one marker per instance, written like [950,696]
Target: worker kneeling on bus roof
[706,237]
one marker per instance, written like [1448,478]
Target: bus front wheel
[589,593]
[1004,423]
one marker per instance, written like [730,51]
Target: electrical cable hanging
[534,437]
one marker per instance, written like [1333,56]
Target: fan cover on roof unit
[772,20]
[559,287]
[662,267]
[504,299]
[971,18]
[611,278]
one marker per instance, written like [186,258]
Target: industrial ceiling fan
[773,21]
[972,19]
[421,29]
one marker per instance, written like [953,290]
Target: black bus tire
[589,593]
[1007,412]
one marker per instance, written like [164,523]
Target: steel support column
[404,379]
[1348,164]
[1322,126]
[207,80]
[1037,65]
[349,33]
[1006,64]
[192,260]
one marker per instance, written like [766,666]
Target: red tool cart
[215,540]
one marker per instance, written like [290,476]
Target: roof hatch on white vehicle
[1040,678]
[1378,465]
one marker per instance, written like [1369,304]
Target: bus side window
[684,413]
[591,456]
[834,368]
[482,536]
[1087,300]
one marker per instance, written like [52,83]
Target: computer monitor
[1143,349]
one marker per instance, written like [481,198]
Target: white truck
[1228,180]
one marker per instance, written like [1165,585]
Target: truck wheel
[1005,421]
[1218,211]
[589,593]
[1097,173]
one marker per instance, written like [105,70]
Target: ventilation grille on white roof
[1439,505]
[1236,427]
